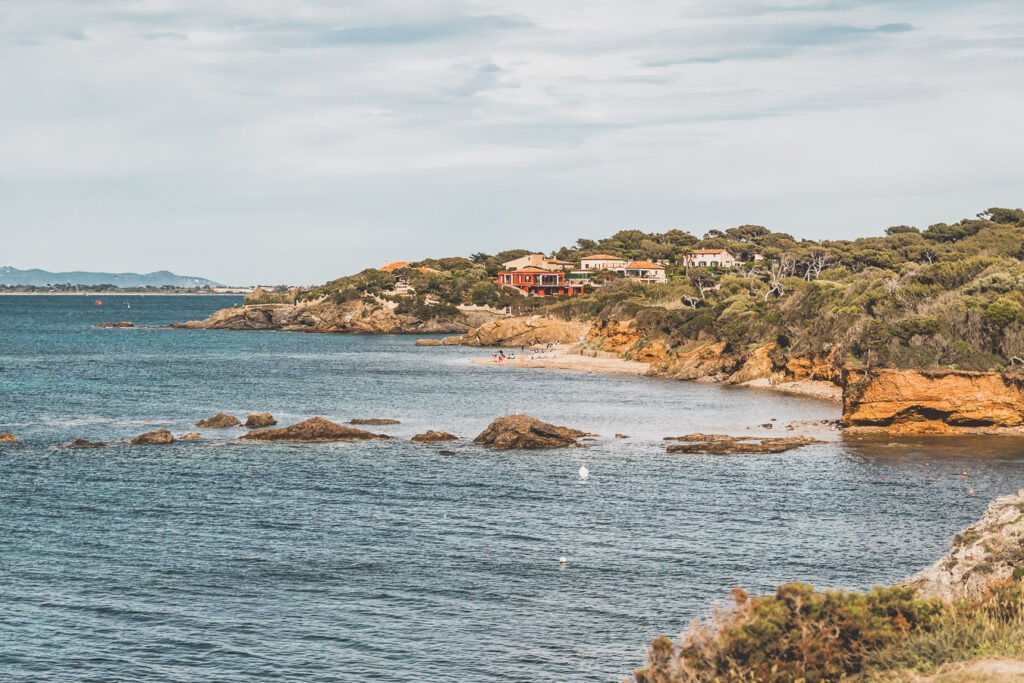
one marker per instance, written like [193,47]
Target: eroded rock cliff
[932,402]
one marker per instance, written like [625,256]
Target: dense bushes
[799,634]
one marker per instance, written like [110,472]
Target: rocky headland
[932,402]
[987,553]
[361,316]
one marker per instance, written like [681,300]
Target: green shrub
[799,634]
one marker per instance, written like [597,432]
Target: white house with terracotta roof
[602,262]
[710,258]
[645,271]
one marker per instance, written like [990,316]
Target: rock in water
[8,438]
[258,420]
[447,453]
[523,431]
[154,437]
[123,323]
[723,444]
[219,421]
[430,436]
[428,342]
[191,436]
[374,421]
[985,553]
[82,443]
[313,429]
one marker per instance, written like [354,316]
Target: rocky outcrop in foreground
[159,436]
[522,331]
[6,437]
[723,444]
[988,552]
[430,436]
[313,429]
[373,421]
[363,316]
[219,421]
[259,420]
[523,431]
[932,402]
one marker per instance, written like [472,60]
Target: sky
[294,141]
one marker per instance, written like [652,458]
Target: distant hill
[41,278]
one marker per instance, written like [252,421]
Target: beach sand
[569,358]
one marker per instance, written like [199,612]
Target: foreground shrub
[799,634]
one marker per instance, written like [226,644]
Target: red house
[538,281]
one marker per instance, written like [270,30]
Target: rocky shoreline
[361,316]
[880,400]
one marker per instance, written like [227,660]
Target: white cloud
[176,132]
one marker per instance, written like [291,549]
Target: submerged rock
[428,342]
[447,453]
[988,552]
[82,443]
[8,438]
[430,436]
[374,421]
[191,436]
[523,431]
[219,421]
[621,436]
[123,323]
[313,429]
[723,444]
[258,420]
[158,436]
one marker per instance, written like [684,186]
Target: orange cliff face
[932,402]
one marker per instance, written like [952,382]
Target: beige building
[537,261]
[710,258]
[602,262]
[645,271]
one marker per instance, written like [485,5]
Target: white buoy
[584,472]
[563,560]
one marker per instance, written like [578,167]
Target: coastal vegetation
[946,296]
[968,605]
[800,634]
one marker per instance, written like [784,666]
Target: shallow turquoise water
[386,561]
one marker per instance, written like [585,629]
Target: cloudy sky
[297,140]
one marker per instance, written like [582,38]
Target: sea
[222,560]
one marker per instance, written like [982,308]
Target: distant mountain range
[41,278]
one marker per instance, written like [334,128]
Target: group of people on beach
[500,356]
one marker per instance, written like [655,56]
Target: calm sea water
[220,560]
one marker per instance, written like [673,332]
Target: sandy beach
[570,358]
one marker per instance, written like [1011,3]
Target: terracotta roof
[709,251]
[603,257]
[424,269]
[394,266]
[643,264]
